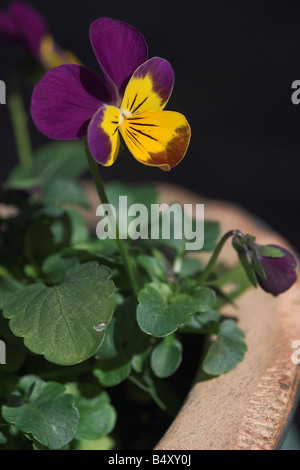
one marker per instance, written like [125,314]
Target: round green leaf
[204,298]
[226,351]
[48,414]
[160,312]
[153,267]
[97,418]
[64,191]
[166,357]
[54,160]
[55,266]
[114,371]
[65,323]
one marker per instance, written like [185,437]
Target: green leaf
[48,414]
[155,269]
[160,312]
[190,267]
[79,231]
[138,361]
[55,267]
[114,371]
[258,267]
[145,194]
[63,191]
[139,348]
[166,357]
[269,251]
[204,298]
[97,247]
[3,439]
[226,351]
[97,417]
[248,268]
[55,160]
[105,443]
[119,329]
[8,286]
[153,313]
[108,348]
[65,323]
[204,323]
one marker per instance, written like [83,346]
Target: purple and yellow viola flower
[72,101]
[24,25]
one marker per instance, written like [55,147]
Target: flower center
[124,114]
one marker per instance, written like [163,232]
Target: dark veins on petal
[142,133]
[138,107]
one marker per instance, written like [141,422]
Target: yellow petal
[52,56]
[157,138]
[149,88]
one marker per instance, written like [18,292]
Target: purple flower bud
[280,272]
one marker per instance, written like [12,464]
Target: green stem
[19,121]
[213,260]
[104,200]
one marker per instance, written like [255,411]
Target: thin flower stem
[213,260]
[104,200]
[19,121]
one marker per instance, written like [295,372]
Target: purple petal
[31,25]
[8,27]
[103,135]
[280,272]
[120,50]
[65,100]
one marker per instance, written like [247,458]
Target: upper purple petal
[280,272]
[29,25]
[120,50]
[65,100]
[8,27]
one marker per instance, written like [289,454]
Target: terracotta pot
[250,407]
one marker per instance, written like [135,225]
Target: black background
[234,63]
